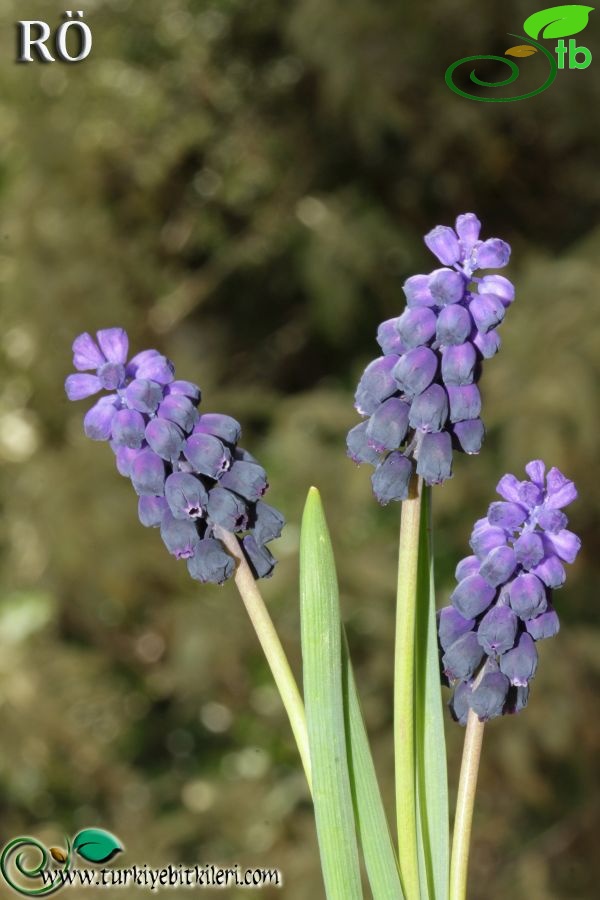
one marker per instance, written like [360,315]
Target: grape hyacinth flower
[190,475]
[420,399]
[502,604]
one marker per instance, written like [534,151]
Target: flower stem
[272,647]
[404,701]
[465,802]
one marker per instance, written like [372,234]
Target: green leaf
[558,21]
[432,775]
[96,845]
[323,697]
[373,829]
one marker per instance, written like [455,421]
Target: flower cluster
[187,469]
[502,604]
[420,399]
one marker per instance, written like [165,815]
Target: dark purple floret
[503,596]
[426,382]
[188,470]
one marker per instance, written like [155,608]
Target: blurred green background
[245,184]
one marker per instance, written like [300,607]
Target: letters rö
[33,36]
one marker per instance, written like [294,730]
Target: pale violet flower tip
[79,387]
[86,353]
[447,286]
[114,344]
[98,421]
[467,228]
[443,243]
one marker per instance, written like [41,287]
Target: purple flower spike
[176,458]
[432,361]
[502,595]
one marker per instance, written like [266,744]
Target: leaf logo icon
[521,50]
[558,21]
[96,845]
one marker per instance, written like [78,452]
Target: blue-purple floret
[190,475]
[502,604]
[420,400]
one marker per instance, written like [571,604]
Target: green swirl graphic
[514,69]
[22,843]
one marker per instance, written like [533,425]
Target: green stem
[467,785]
[404,681]
[272,647]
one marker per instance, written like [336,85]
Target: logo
[92,844]
[555,22]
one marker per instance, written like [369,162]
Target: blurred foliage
[244,184]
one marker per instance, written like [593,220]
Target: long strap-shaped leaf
[432,776]
[323,697]
[373,828]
